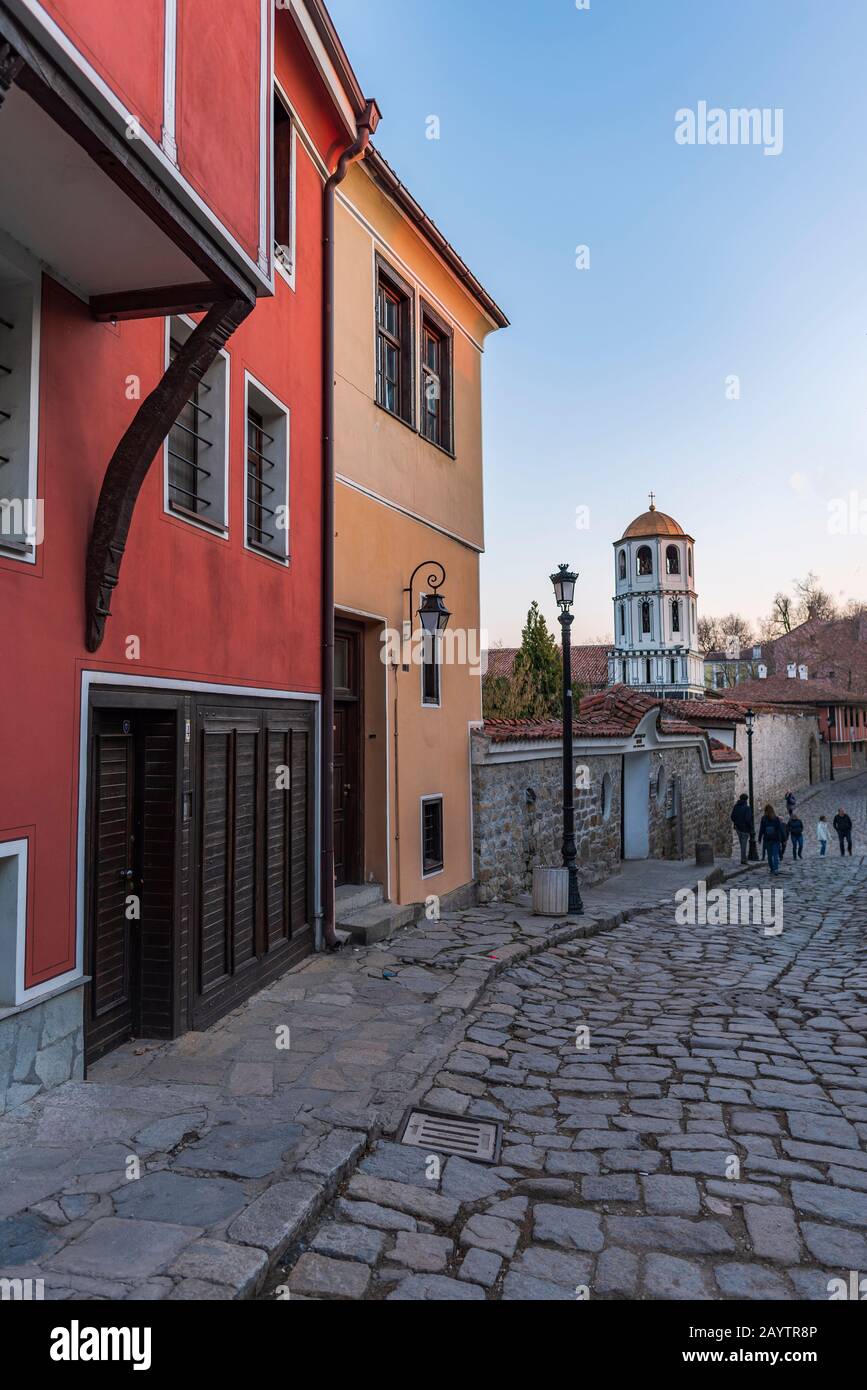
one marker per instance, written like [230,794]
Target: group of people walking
[775,834]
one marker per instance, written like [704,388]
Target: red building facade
[161,416]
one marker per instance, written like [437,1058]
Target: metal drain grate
[475,1139]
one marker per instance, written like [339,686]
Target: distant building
[655,621]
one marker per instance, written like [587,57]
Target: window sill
[441,448]
[216,528]
[392,415]
[264,554]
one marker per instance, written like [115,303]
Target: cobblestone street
[709,1143]
[223,1163]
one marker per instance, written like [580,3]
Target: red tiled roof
[721,753]
[615,713]
[786,690]
[589,665]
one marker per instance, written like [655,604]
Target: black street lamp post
[753,854]
[564,589]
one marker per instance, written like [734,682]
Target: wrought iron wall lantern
[432,612]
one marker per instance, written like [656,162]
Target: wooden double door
[200,848]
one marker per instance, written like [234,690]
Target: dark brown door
[348,860]
[130,877]
[254,796]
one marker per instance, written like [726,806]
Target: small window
[432,835]
[621,565]
[267,475]
[431,670]
[673,676]
[436,380]
[606,797]
[622,620]
[197,446]
[647,672]
[689,560]
[675,617]
[20,510]
[672,560]
[394,350]
[644,560]
[645,617]
[624,673]
[284,192]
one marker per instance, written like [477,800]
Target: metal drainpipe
[357,150]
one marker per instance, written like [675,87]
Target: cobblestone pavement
[189,1169]
[185,1169]
[709,1143]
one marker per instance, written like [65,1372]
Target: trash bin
[551,892]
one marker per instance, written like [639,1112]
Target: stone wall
[781,756]
[518,820]
[518,817]
[706,801]
[41,1045]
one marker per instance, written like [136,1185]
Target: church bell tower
[655,619]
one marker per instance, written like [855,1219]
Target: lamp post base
[753,853]
[576,906]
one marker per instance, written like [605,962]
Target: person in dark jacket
[742,820]
[843,827]
[790,802]
[784,841]
[796,835]
[772,835]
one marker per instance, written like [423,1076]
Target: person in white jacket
[822,832]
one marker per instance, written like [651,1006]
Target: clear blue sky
[557,130]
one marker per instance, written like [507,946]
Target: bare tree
[813,600]
[781,616]
[710,636]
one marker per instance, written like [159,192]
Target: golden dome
[653,523]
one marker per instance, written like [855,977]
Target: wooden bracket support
[135,453]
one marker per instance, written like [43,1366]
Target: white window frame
[285,264]
[12,991]
[221,531]
[281,498]
[30,273]
[432,796]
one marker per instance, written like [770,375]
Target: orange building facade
[412,323]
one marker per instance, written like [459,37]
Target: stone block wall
[518,821]
[781,756]
[41,1046]
[518,818]
[706,798]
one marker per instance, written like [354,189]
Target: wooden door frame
[137,700]
[355,631]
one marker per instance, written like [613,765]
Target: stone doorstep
[378,922]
